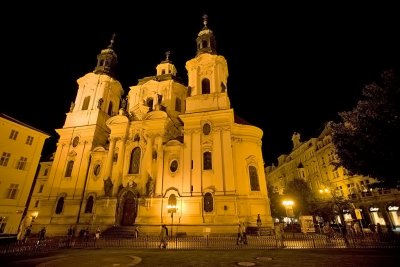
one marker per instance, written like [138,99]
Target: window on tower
[178,104]
[204,44]
[86,102]
[68,171]
[205,86]
[254,183]
[110,109]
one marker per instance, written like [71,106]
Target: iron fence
[288,241]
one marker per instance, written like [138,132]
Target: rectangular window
[3,222]
[12,191]
[29,140]
[207,161]
[5,157]
[41,188]
[37,203]
[13,134]
[21,164]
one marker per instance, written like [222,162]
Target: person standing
[163,237]
[258,225]
[27,233]
[70,233]
[239,238]
[97,233]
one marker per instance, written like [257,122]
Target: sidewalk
[100,257]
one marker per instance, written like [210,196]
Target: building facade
[312,160]
[20,150]
[168,153]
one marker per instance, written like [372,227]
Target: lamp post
[172,210]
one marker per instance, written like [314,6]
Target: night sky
[292,68]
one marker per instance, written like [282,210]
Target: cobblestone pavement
[246,257]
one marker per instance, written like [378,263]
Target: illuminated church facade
[168,153]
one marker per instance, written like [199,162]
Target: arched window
[70,166]
[207,160]
[205,86]
[172,203]
[89,205]
[149,103]
[135,161]
[223,87]
[254,184]
[208,202]
[86,102]
[110,108]
[204,44]
[178,104]
[60,205]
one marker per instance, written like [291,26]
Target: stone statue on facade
[108,187]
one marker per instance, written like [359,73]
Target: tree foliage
[275,201]
[367,138]
[300,192]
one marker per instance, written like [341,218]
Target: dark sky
[291,67]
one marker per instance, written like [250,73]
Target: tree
[275,201]
[367,140]
[300,191]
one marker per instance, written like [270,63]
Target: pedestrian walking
[163,237]
[97,233]
[27,233]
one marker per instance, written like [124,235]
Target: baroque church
[167,153]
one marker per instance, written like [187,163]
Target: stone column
[160,159]
[110,158]
[120,164]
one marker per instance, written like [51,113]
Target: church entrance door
[129,212]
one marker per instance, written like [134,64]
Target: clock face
[206,129]
[75,141]
[174,165]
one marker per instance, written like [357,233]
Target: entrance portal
[129,209]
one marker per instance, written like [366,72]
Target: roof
[2,115]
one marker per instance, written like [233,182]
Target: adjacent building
[312,160]
[20,151]
[168,153]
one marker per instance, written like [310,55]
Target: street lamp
[34,216]
[172,210]
[289,210]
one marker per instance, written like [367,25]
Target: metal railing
[288,241]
